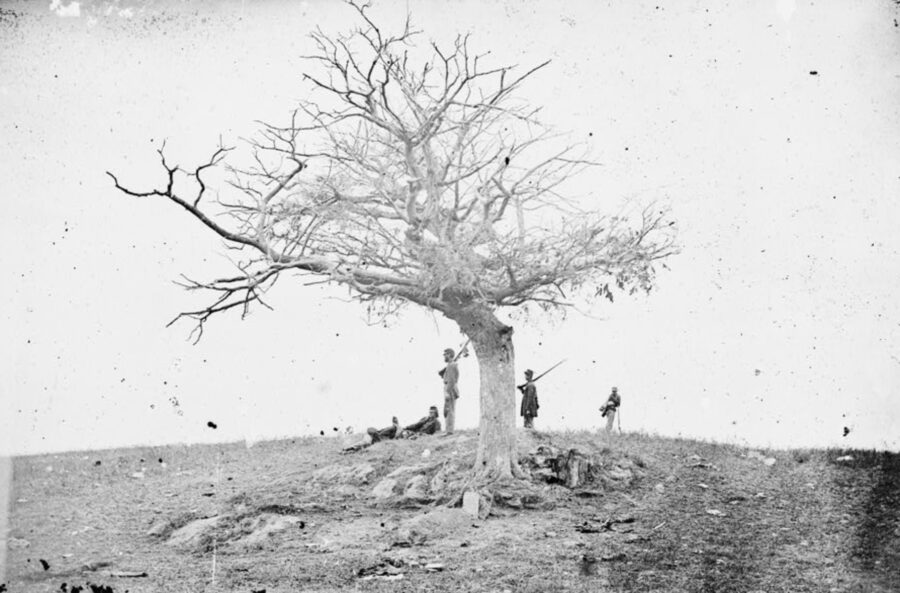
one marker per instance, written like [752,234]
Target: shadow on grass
[869,481]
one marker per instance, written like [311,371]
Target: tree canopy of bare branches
[414,173]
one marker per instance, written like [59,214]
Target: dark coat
[427,425]
[529,401]
[385,433]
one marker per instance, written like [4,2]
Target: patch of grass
[808,522]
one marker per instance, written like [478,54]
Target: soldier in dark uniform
[375,435]
[385,433]
[610,407]
[430,424]
[529,408]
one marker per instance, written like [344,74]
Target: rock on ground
[384,488]
[356,474]
[266,525]
[192,534]
[438,524]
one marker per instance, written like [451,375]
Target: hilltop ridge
[656,514]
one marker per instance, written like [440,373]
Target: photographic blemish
[44,564]
[212,424]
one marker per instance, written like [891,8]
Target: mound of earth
[429,473]
[630,512]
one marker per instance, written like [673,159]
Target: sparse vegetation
[297,515]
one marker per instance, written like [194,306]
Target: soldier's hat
[529,373]
[449,351]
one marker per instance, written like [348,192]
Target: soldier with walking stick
[610,408]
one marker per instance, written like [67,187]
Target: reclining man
[385,433]
[375,435]
[430,424]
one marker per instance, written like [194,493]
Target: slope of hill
[300,515]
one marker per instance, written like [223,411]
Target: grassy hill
[300,515]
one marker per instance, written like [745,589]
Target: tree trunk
[572,468]
[492,342]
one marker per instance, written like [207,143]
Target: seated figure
[430,424]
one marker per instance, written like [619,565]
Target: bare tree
[415,174]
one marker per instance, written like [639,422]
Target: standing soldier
[530,405]
[609,408]
[450,373]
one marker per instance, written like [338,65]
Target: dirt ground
[298,515]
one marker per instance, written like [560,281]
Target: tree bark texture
[572,468]
[492,341]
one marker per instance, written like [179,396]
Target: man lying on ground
[430,424]
[375,435]
[385,433]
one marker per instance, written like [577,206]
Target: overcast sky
[771,129]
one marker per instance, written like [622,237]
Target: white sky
[784,184]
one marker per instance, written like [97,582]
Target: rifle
[522,386]
[611,405]
[462,352]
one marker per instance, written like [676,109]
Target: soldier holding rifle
[450,375]
[529,407]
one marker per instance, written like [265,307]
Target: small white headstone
[470,503]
